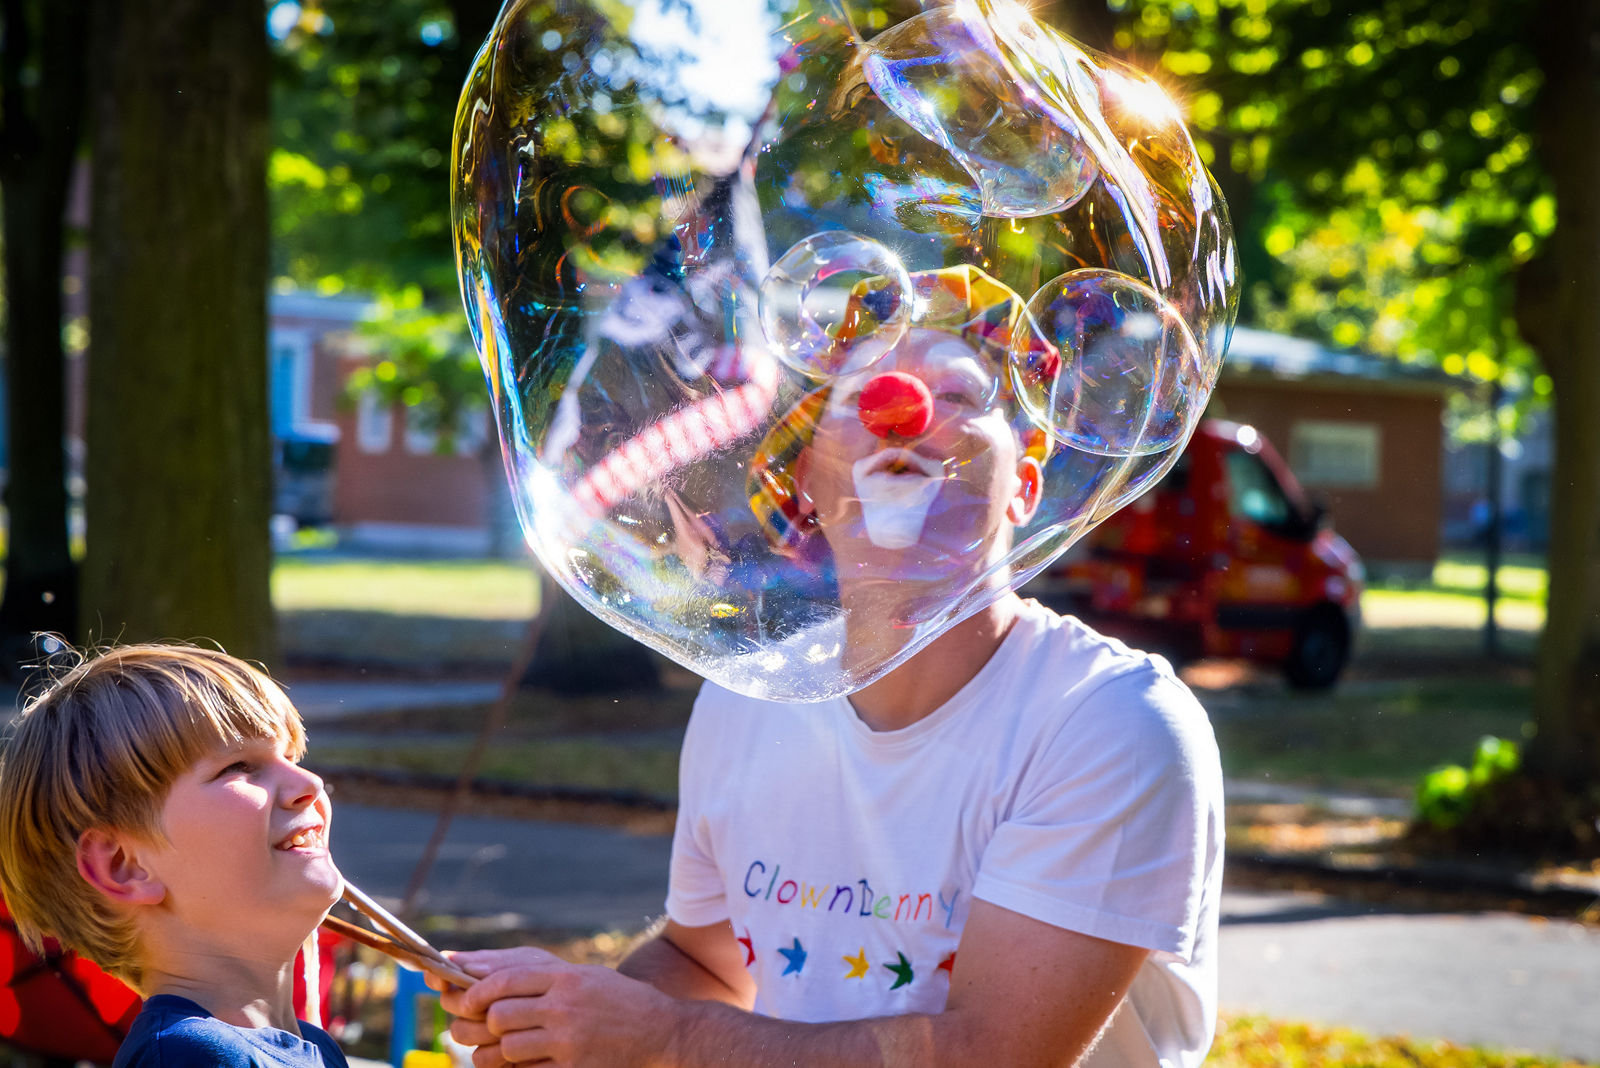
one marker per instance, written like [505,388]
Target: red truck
[1225,557]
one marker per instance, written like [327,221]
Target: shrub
[1448,794]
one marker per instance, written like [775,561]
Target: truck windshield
[1254,494]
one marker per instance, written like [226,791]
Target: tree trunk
[1559,313]
[38,145]
[579,654]
[179,465]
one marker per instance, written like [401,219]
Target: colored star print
[948,965]
[858,965]
[796,958]
[902,971]
[749,948]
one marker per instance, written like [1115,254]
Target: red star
[948,964]
[749,949]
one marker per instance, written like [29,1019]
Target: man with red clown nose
[915,468]
[1007,851]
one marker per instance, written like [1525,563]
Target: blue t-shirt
[174,1032]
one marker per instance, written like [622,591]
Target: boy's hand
[531,1006]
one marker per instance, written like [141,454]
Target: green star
[902,971]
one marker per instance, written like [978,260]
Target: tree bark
[39,138]
[179,464]
[1559,313]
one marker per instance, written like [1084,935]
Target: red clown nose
[896,403]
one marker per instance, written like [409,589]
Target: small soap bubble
[1129,369]
[805,296]
[942,73]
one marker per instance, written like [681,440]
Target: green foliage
[427,363]
[363,100]
[1379,159]
[1448,794]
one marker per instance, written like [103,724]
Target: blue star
[796,958]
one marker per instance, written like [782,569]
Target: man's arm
[694,964]
[1023,994]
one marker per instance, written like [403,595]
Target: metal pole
[1491,542]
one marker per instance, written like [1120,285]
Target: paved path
[528,873]
[1492,979]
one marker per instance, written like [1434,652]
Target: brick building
[358,464]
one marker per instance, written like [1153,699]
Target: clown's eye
[951,396]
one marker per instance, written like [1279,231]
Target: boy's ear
[1030,490]
[109,862]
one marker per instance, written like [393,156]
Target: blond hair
[101,748]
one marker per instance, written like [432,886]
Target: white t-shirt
[1072,780]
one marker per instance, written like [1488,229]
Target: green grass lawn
[501,589]
[587,762]
[1520,577]
[1388,609]
[456,589]
[1452,599]
[413,613]
[443,611]
[1378,735]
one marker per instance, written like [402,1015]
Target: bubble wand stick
[399,941]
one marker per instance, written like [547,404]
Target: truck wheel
[1321,648]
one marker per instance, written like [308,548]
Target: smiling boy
[155,818]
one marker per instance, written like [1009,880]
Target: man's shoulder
[1076,673]
[1068,654]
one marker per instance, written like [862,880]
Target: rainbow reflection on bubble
[693,234]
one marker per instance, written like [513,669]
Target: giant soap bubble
[813,326]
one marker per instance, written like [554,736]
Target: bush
[1447,795]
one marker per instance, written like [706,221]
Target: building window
[374,423]
[471,433]
[1336,455]
[290,376]
[421,439]
[290,367]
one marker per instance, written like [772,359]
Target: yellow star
[858,965]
